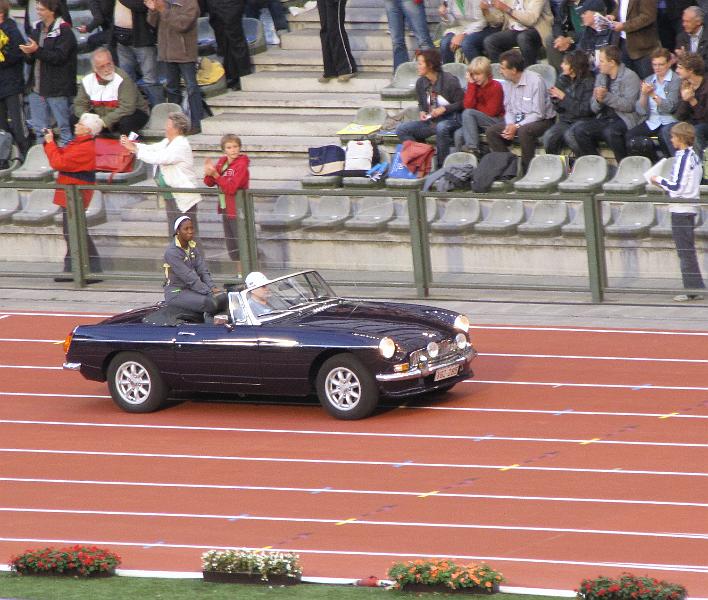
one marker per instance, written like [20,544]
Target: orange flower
[488,584]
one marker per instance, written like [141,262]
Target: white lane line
[29,367]
[332,552]
[329,461]
[585,357]
[29,340]
[488,437]
[34,395]
[9,313]
[4,316]
[558,384]
[559,412]
[588,330]
[328,490]
[336,521]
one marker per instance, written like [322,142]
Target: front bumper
[72,366]
[426,370]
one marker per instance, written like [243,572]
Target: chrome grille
[447,348]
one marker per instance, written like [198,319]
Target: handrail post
[246,228]
[595,247]
[420,245]
[78,246]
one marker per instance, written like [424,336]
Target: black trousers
[682,225]
[336,53]
[528,41]
[225,19]
[134,122]
[587,133]
[12,119]
[230,236]
[94,259]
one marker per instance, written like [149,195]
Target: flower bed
[80,561]
[629,587]
[251,566]
[445,575]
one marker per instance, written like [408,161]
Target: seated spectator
[571,96]
[12,80]
[402,12]
[693,106]
[591,40]
[52,53]
[483,102]
[668,19]
[101,20]
[614,104]
[527,24]
[440,103]
[567,27]
[112,95]
[469,28]
[528,110]
[658,100]
[635,20]
[694,37]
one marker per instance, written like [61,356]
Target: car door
[286,356]
[218,358]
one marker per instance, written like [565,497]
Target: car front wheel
[135,383]
[346,388]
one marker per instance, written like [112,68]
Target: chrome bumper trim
[416,373]
[71,366]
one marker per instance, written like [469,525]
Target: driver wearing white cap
[259,294]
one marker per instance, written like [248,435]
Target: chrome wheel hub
[133,382]
[343,388]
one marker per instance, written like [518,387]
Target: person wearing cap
[259,294]
[76,165]
[188,282]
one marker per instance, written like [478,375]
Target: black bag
[326,160]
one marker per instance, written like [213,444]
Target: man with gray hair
[694,37]
[112,95]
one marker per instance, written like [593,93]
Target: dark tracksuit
[188,282]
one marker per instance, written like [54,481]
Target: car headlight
[387,347]
[461,341]
[433,349]
[462,323]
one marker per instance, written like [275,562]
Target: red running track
[573,453]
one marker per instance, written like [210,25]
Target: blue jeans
[443,129]
[41,111]
[398,12]
[472,44]
[131,58]
[188,71]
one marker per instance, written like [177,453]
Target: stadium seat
[39,209]
[666,169]
[328,212]
[459,216]
[321,181]
[663,222]
[496,71]
[367,115]
[95,213]
[577,223]
[155,127]
[372,214]
[459,70]
[9,203]
[255,35]
[402,220]
[288,213]
[546,71]
[544,174]
[365,182]
[588,175]
[138,173]
[701,230]
[15,163]
[83,66]
[504,217]
[629,178]
[402,85]
[634,220]
[460,158]
[547,218]
[206,38]
[36,166]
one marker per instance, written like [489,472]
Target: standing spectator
[31,15]
[101,18]
[51,52]
[136,47]
[658,100]
[694,37]
[231,175]
[571,96]
[635,20]
[483,102]
[176,23]
[527,24]
[112,95]
[684,184]
[591,40]
[12,81]
[614,104]
[439,102]
[468,31]
[400,13]
[567,28]
[528,110]
[75,164]
[693,106]
[276,10]
[225,18]
[336,53]
[668,20]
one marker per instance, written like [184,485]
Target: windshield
[290,293]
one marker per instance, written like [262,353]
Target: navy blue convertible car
[291,336]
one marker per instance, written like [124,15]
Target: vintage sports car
[291,336]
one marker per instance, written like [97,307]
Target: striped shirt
[685,180]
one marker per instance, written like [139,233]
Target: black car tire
[135,383]
[346,388]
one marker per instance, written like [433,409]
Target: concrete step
[278,124]
[277,59]
[357,18]
[360,39]
[260,145]
[306,81]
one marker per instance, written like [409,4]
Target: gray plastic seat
[38,210]
[402,220]
[206,38]
[547,218]
[321,181]
[402,85]
[546,71]
[328,212]
[15,163]
[629,178]
[701,230]
[95,213]
[663,222]
[83,66]
[460,158]
[577,223]
[504,217]
[496,71]
[155,127]
[288,213]
[255,35]
[459,70]
[36,166]
[138,173]
[544,174]
[9,203]
[459,216]
[365,182]
[589,173]
[366,115]
[666,169]
[372,214]
[634,220]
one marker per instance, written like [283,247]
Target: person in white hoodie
[684,184]
[173,167]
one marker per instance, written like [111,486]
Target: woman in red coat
[76,165]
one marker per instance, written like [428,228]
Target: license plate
[446,372]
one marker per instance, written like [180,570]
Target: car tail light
[67,342]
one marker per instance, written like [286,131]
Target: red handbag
[113,158]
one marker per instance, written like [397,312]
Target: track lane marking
[30,367]
[29,340]
[588,357]
[564,412]
[38,395]
[558,384]
[588,330]
[9,313]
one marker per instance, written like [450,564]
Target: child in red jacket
[231,175]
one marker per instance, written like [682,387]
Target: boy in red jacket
[231,175]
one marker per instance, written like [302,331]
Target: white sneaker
[687,297]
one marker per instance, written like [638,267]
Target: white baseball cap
[255,279]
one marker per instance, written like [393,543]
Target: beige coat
[536,14]
[176,31]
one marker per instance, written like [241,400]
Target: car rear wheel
[135,383]
[346,388]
